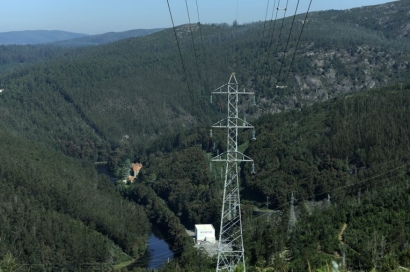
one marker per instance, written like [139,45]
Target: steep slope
[345,160]
[391,19]
[329,143]
[127,93]
[57,211]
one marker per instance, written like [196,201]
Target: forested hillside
[106,37]
[56,211]
[125,94]
[347,163]
[352,151]
[339,142]
[36,36]
[15,56]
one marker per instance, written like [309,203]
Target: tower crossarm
[234,156]
[230,87]
[233,122]
[221,90]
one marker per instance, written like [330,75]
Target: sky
[101,16]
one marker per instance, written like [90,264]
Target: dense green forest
[55,210]
[15,56]
[346,161]
[353,151]
[87,102]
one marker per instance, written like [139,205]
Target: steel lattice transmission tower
[230,248]
[292,215]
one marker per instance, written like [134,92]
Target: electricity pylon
[230,247]
[292,216]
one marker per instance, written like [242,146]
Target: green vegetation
[8,263]
[86,102]
[158,213]
[353,149]
[15,56]
[345,160]
[58,210]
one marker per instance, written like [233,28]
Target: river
[158,250]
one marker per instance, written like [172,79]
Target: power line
[266,17]
[202,44]
[278,209]
[179,48]
[230,247]
[332,191]
[287,44]
[356,183]
[281,28]
[272,21]
[297,44]
[271,34]
[264,23]
[207,82]
[236,30]
[193,45]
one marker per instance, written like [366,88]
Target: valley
[334,137]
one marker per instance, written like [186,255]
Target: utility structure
[230,245]
[292,216]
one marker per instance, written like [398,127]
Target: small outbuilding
[204,233]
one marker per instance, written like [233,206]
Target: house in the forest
[134,170]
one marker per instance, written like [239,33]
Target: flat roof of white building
[204,227]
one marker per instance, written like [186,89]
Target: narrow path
[340,236]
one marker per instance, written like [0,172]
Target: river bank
[158,252]
[167,233]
